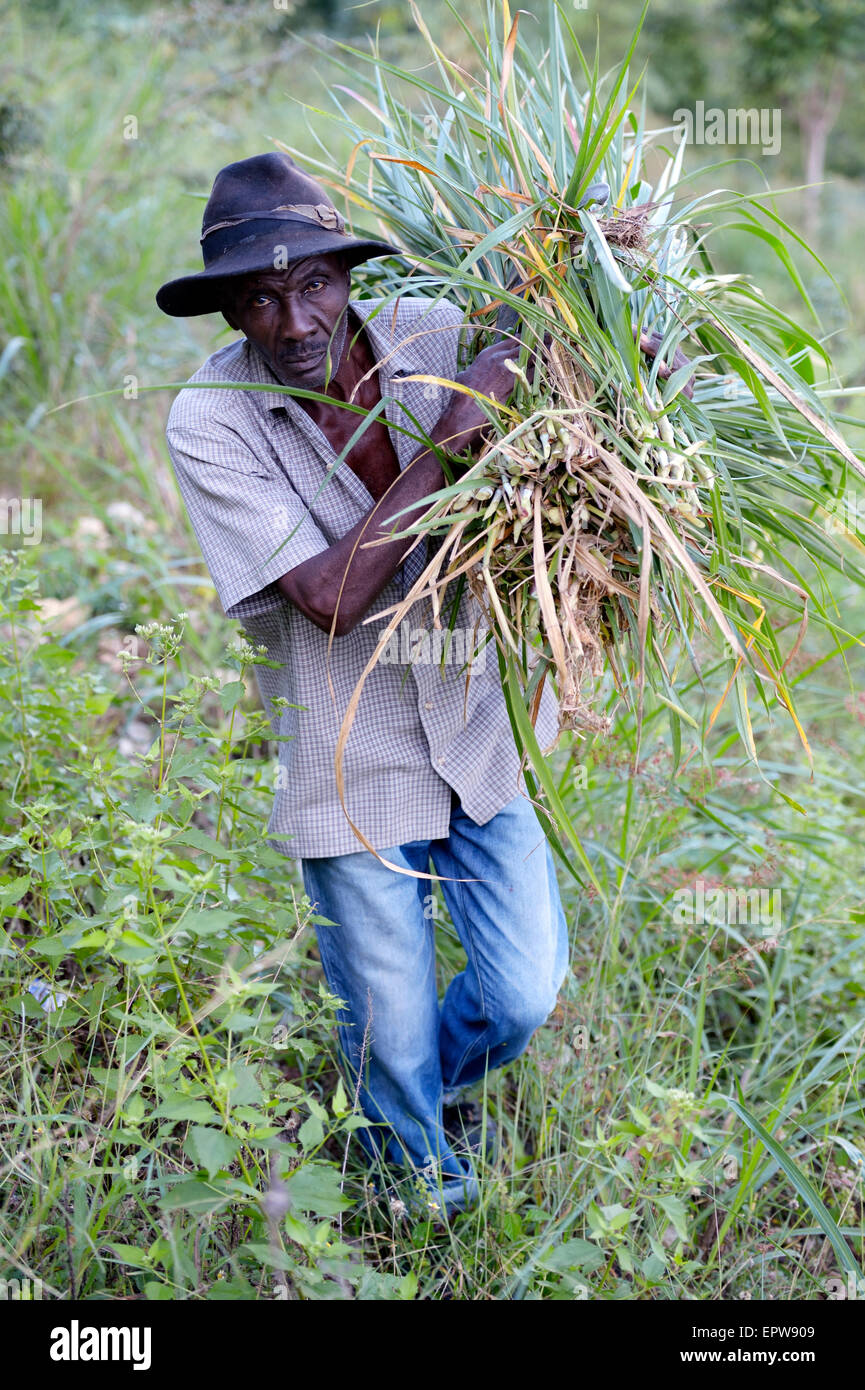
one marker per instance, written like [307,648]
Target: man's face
[294,316]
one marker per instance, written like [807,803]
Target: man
[431,770]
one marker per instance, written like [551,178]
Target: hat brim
[203,293]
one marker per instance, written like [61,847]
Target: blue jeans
[409,1050]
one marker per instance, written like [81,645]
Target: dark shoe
[468,1130]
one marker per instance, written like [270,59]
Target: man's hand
[650,343]
[463,421]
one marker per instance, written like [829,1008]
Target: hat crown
[259,184]
[263,212]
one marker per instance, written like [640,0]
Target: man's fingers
[650,344]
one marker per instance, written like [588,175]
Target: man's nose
[296,322]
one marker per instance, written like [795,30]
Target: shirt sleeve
[456,341]
[252,527]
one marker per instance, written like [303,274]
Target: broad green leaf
[572,1254]
[314,1187]
[199,1196]
[210,1148]
[181,1107]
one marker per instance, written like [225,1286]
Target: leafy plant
[154,1126]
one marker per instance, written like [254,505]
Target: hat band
[319,214]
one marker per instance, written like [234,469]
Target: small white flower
[90,532]
[124,513]
[46,995]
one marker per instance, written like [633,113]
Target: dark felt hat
[262,214]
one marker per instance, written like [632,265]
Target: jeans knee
[519,1017]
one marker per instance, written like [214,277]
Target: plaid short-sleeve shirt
[254,469]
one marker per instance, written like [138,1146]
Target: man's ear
[230,321]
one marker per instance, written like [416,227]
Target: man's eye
[311,284]
[259,300]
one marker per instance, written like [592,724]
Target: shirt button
[428,705]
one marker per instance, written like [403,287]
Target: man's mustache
[302,356]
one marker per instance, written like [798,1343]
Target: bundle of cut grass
[660,478]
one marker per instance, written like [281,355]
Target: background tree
[803,57]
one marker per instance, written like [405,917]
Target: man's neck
[357,359]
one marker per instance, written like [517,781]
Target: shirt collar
[381,340]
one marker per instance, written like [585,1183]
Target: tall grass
[689,1123]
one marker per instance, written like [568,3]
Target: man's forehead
[296,271]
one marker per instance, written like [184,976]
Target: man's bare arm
[314,586]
